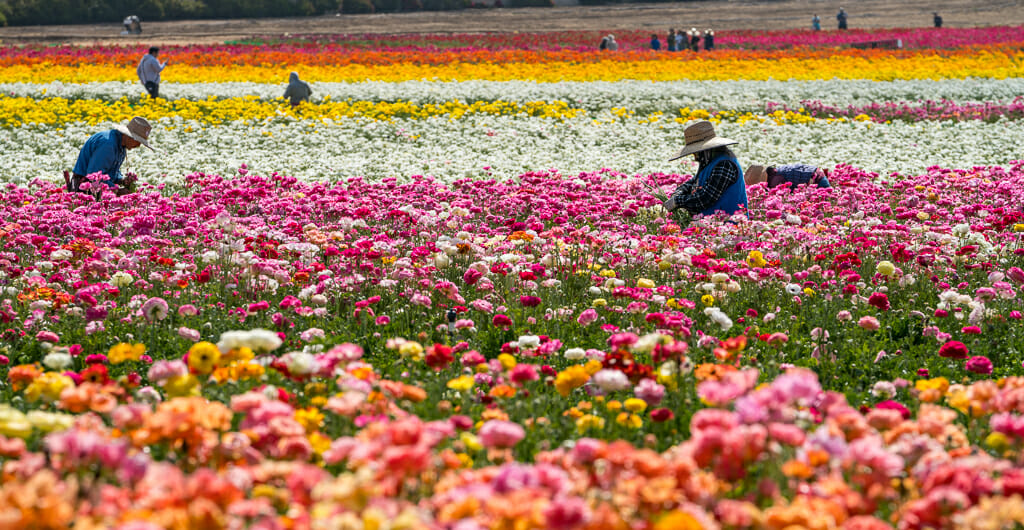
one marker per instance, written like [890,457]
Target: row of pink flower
[913,111]
[731,39]
[372,48]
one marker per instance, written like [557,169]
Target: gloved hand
[669,204]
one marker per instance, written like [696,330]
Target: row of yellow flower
[15,112]
[922,65]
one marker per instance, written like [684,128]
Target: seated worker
[717,186]
[795,174]
[104,152]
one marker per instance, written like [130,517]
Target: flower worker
[794,174]
[717,186]
[149,71]
[298,90]
[104,152]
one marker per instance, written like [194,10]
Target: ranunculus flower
[662,414]
[879,300]
[501,434]
[529,301]
[979,364]
[869,323]
[501,321]
[953,349]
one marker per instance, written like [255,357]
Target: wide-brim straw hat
[755,174]
[700,137]
[139,129]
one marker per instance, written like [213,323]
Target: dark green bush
[356,7]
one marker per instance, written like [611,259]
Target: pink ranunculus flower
[189,334]
[47,336]
[155,309]
[587,317]
[869,323]
[500,434]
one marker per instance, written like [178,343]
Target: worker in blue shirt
[102,155]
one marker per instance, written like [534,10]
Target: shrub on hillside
[445,5]
[356,7]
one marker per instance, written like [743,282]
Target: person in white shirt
[149,71]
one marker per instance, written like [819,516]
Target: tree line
[33,12]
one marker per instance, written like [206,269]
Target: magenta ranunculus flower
[529,301]
[501,321]
[979,364]
[971,330]
[879,300]
[501,434]
[953,349]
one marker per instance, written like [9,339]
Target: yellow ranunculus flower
[461,383]
[47,387]
[707,300]
[203,357]
[471,441]
[635,405]
[599,302]
[507,361]
[629,420]
[607,273]
[756,259]
[411,349]
[182,385]
[645,283]
[588,422]
[885,268]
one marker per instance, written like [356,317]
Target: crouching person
[104,153]
[794,174]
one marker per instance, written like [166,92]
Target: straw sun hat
[138,129]
[700,137]
[755,174]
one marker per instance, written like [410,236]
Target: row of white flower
[639,96]
[505,146]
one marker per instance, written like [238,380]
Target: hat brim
[124,130]
[696,147]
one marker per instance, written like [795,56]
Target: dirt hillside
[717,14]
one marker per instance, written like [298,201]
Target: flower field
[442,293]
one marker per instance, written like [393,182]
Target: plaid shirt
[695,198]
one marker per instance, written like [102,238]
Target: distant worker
[149,71]
[841,18]
[709,39]
[298,90]
[695,39]
[816,23]
[103,154]
[655,43]
[936,19]
[794,174]
[670,41]
[612,45]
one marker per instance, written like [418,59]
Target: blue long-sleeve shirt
[102,153]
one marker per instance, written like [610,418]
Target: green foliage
[355,7]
